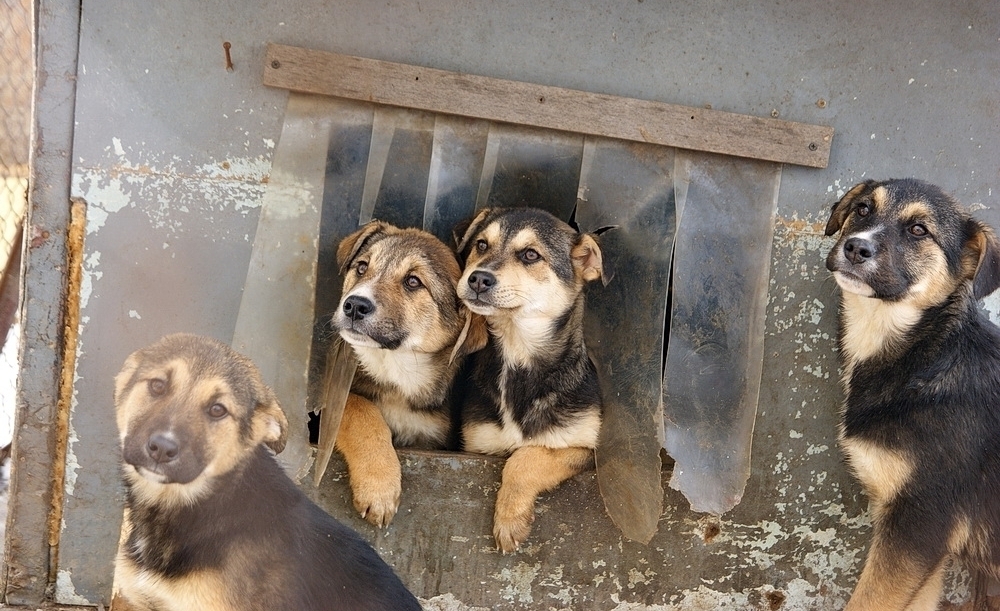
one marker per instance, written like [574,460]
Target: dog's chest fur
[911,381]
[410,389]
[526,390]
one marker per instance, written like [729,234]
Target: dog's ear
[843,207]
[983,258]
[125,378]
[270,424]
[587,259]
[351,245]
[473,337]
[463,232]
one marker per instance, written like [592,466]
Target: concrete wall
[171,152]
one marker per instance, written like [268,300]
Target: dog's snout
[357,308]
[481,281]
[162,448]
[859,250]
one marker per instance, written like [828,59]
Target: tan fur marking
[372,464]
[528,472]
[882,472]
[880,195]
[890,582]
[202,590]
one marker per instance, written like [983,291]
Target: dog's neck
[871,326]
[417,375]
[523,341]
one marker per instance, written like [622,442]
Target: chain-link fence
[16,75]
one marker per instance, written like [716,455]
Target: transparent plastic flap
[530,167]
[726,209]
[631,186]
[275,321]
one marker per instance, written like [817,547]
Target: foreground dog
[921,363]
[534,392]
[402,318]
[212,522]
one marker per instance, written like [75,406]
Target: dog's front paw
[376,494]
[512,522]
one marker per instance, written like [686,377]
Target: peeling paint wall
[172,154]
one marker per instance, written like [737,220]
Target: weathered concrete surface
[441,542]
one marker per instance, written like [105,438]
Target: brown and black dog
[402,318]
[211,520]
[921,364]
[534,393]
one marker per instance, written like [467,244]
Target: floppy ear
[985,254]
[843,208]
[270,424]
[473,337]
[123,380]
[351,245]
[463,232]
[587,259]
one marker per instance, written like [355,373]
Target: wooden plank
[440,91]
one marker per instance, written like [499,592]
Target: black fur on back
[937,398]
[277,549]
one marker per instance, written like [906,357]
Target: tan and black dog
[404,322]
[212,522]
[921,363]
[534,393]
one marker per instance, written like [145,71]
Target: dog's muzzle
[160,457]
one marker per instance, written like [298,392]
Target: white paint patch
[88,274]
[66,591]
[518,579]
[134,314]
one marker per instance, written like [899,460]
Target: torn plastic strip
[629,185]
[530,167]
[456,167]
[398,167]
[726,209]
[280,283]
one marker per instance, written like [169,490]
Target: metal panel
[27,553]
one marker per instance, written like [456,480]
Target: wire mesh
[16,76]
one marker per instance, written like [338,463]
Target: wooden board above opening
[440,91]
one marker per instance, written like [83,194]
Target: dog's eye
[863,210]
[918,230]
[412,282]
[482,245]
[217,410]
[157,387]
[362,268]
[530,255]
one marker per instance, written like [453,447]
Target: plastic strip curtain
[630,186]
[726,209]
[417,169]
[275,321]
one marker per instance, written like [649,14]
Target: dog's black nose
[356,308]
[481,281]
[162,448]
[859,250]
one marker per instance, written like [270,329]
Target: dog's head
[907,241]
[190,409]
[525,261]
[399,290]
